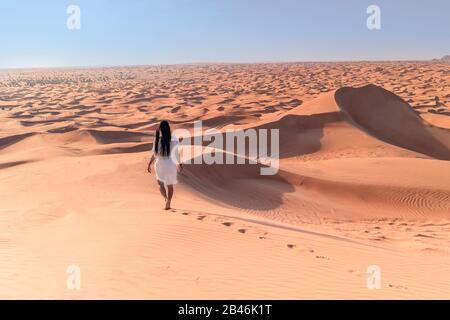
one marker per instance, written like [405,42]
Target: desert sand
[363,180]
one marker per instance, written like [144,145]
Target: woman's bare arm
[149,168]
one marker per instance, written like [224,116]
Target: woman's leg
[169,199]
[162,189]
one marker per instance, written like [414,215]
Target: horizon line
[214,63]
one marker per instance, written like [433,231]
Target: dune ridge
[389,118]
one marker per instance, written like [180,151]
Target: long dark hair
[164,136]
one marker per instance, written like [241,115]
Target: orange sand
[364,180]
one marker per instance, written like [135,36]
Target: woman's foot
[167,205]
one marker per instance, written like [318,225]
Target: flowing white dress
[166,166]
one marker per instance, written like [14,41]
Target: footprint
[185,213]
[242,231]
[228,224]
[291,246]
[421,235]
[200,218]
[398,287]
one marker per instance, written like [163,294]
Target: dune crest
[387,117]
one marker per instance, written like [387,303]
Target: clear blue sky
[131,32]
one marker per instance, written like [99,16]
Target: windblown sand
[364,180]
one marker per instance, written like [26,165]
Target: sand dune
[389,118]
[315,131]
[363,180]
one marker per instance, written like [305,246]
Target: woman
[165,152]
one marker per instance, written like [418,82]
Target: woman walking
[165,152]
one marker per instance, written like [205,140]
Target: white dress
[165,166]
